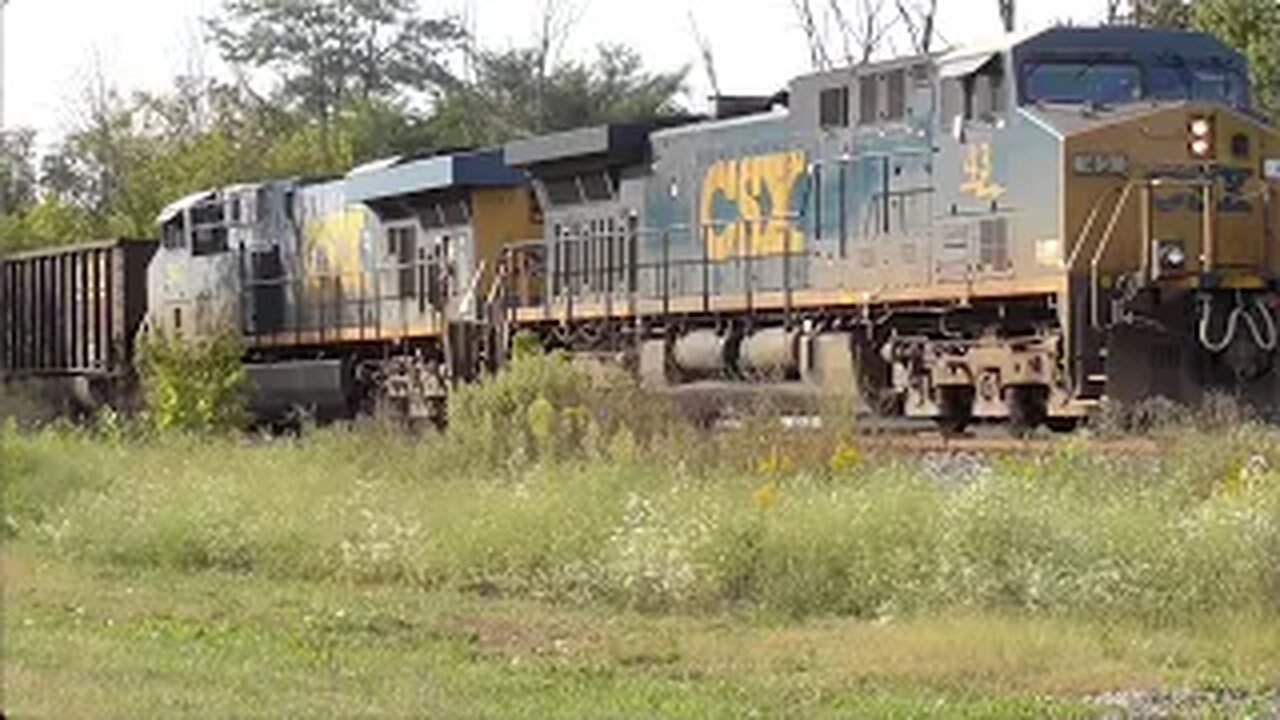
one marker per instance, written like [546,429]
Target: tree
[1253,28]
[329,54]
[508,99]
[1170,14]
[17,170]
[862,28]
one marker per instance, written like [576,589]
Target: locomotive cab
[1168,211]
[194,281]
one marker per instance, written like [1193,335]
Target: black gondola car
[68,317]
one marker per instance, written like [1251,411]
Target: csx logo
[1231,195]
[747,204]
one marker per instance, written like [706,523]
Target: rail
[1104,243]
[1148,186]
[343,305]
[694,262]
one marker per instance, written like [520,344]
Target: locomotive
[1013,231]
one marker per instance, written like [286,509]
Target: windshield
[1169,82]
[1083,82]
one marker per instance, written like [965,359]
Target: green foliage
[1172,14]
[1250,26]
[1253,28]
[548,407]
[653,525]
[515,94]
[327,53]
[525,344]
[193,386]
[17,170]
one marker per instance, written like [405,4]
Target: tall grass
[546,487]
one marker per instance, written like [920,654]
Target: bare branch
[846,31]
[1008,15]
[708,58]
[558,19]
[919,23]
[818,55]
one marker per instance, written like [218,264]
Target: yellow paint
[331,245]
[977,173]
[501,216]
[1156,142]
[743,182]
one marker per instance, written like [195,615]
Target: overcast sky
[53,46]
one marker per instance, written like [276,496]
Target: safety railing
[1146,189]
[360,305]
[698,263]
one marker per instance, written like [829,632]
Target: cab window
[208,229]
[985,91]
[1083,82]
[977,94]
[1179,82]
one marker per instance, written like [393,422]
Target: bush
[193,386]
[549,407]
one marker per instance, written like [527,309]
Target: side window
[953,100]
[172,236]
[897,90]
[208,229]
[209,241]
[563,191]
[868,100]
[833,107]
[985,91]
[597,186]
[402,250]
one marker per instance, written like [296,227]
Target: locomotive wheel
[1027,407]
[955,408]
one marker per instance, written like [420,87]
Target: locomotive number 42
[977,173]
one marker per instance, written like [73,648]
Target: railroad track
[922,436]
[936,442]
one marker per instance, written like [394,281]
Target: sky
[54,47]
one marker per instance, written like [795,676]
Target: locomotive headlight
[1171,256]
[1200,142]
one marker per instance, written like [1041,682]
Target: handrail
[1087,230]
[469,297]
[1103,244]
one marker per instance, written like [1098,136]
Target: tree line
[348,81]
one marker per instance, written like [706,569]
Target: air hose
[1265,334]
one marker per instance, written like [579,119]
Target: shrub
[549,407]
[193,386]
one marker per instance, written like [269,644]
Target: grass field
[109,643]
[563,554]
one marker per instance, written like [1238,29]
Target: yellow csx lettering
[756,192]
[977,173]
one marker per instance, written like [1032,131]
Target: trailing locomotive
[356,293]
[1008,232]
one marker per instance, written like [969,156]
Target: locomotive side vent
[993,244]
